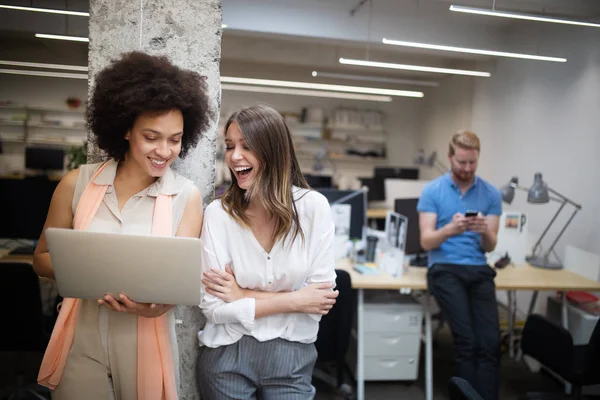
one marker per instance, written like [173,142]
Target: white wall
[537,117]
[448,109]
[41,91]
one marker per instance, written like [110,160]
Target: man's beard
[464,177]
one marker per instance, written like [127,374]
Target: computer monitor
[396,173]
[408,208]
[376,188]
[24,205]
[44,158]
[358,203]
[318,181]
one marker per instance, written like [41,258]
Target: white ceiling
[279,36]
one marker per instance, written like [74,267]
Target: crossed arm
[224,301]
[317,298]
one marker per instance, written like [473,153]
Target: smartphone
[471,213]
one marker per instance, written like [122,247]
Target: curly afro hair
[138,83]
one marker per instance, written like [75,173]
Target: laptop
[149,269]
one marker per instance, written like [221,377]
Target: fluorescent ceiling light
[472,51]
[530,17]
[304,92]
[62,37]
[43,73]
[407,67]
[321,86]
[374,79]
[42,65]
[47,10]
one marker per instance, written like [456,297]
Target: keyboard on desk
[22,250]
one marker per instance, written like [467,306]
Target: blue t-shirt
[443,197]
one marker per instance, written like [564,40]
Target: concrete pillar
[189,33]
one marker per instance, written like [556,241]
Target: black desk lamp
[539,193]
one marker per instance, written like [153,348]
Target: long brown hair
[267,135]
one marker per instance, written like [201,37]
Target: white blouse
[286,268]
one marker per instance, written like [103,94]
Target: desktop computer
[44,158]
[408,208]
[357,199]
[24,205]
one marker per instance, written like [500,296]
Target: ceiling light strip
[62,37]
[374,79]
[43,73]
[514,15]
[321,86]
[304,92]
[364,63]
[46,10]
[46,66]
[472,51]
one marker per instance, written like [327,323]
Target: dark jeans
[467,296]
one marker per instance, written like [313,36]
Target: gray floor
[516,379]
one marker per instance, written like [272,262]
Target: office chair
[552,345]
[460,389]
[23,342]
[334,337]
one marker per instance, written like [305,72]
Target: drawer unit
[392,337]
[392,318]
[392,343]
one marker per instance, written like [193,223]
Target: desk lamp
[430,161]
[539,193]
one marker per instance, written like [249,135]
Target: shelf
[366,160]
[12,123]
[301,140]
[56,142]
[56,110]
[44,109]
[59,127]
[12,139]
[15,107]
[300,125]
[357,129]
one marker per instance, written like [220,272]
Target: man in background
[458,216]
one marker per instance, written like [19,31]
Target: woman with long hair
[268,268]
[145,112]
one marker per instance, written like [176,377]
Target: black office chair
[552,345]
[460,389]
[23,339]
[334,337]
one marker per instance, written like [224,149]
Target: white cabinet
[392,337]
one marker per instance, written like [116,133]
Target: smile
[158,163]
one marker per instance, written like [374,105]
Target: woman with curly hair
[145,113]
[268,266]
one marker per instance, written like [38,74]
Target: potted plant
[76,156]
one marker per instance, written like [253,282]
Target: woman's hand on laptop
[222,284]
[125,304]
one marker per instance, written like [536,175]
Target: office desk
[519,277]
[377,213]
[5,256]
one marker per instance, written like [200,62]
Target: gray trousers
[250,370]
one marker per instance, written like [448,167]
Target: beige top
[106,341]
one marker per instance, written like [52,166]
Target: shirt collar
[448,178]
[165,185]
